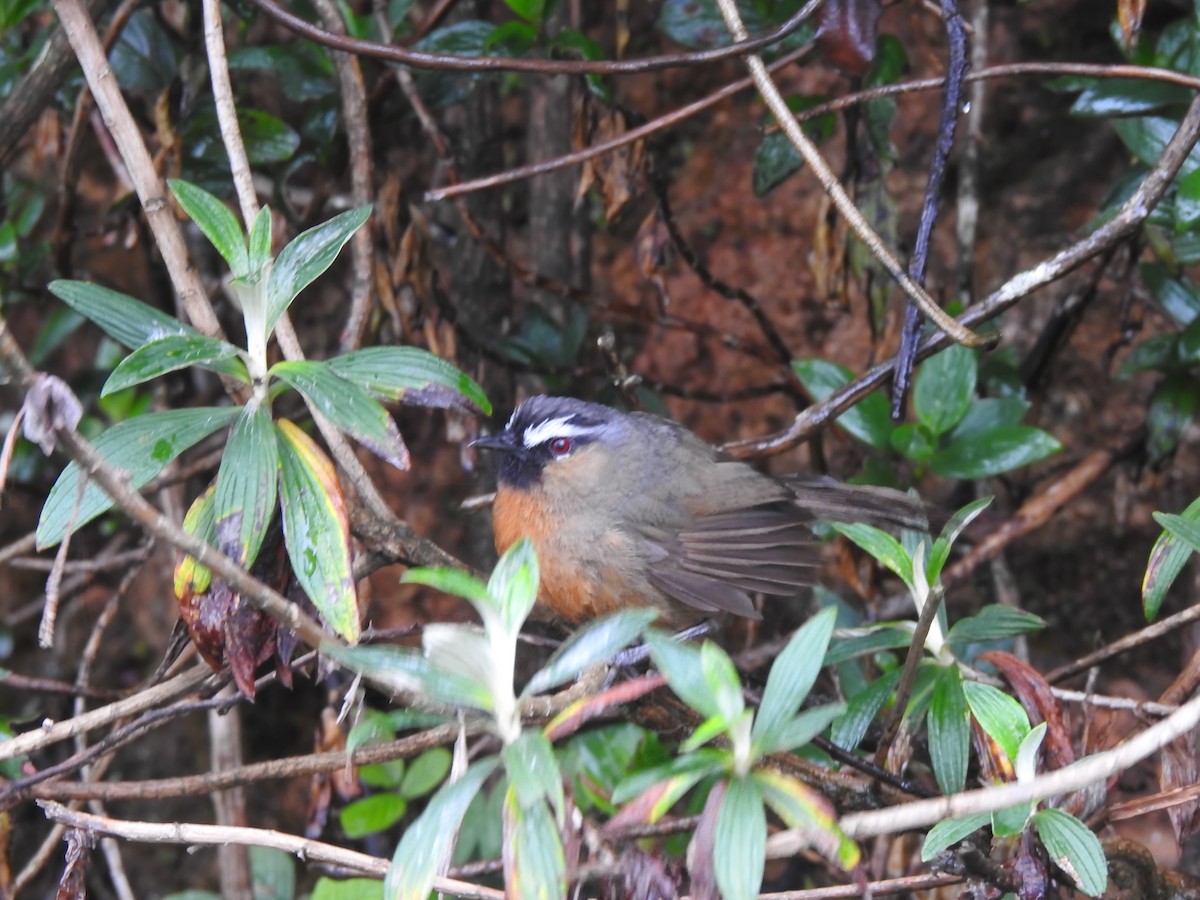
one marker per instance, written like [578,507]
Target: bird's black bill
[500,442]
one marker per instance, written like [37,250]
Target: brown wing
[715,563]
[833,501]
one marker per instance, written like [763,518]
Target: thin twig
[1131,215]
[214,835]
[841,200]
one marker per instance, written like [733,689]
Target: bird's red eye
[561,446]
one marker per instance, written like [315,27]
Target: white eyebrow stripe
[553,428]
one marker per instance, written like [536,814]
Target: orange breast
[581,578]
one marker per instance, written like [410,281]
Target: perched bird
[631,509]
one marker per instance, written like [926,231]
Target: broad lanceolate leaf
[881,545]
[949,832]
[944,387]
[316,528]
[247,485]
[427,843]
[869,419]
[792,676]
[799,806]
[690,768]
[259,244]
[595,643]
[993,452]
[950,532]
[412,376]
[307,257]
[1074,849]
[535,865]
[513,586]
[721,678]
[348,406]
[141,448]
[407,671]
[1167,558]
[190,576]
[949,731]
[452,581]
[992,623]
[171,353]
[680,665]
[860,711]
[533,771]
[219,225]
[802,728]
[1002,717]
[127,321]
[740,847]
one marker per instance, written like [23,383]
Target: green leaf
[950,532]
[529,10]
[698,25]
[680,665]
[1187,200]
[140,448]
[948,832]
[993,452]
[1178,296]
[799,806]
[268,139]
[595,643]
[244,501]
[412,376]
[1002,717]
[994,622]
[373,814]
[776,158]
[1167,558]
[1074,849]
[914,441]
[426,772]
[721,677]
[273,873]
[990,412]
[882,546]
[1147,137]
[740,843]
[802,728]
[217,223]
[690,767]
[850,728]
[259,251]
[1106,97]
[427,843]
[468,653]
[792,676]
[512,39]
[871,639]
[127,321]
[347,889]
[533,771]
[172,353]
[513,586]
[144,59]
[351,408]
[451,581]
[307,257]
[1172,409]
[536,865]
[949,731]
[869,419]
[402,670]
[316,529]
[944,388]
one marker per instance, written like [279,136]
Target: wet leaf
[740,842]
[999,715]
[172,353]
[351,408]
[217,223]
[412,376]
[868,420]
[1074,849]
[127,321]
[306,257]
[141,448]
[944,388]
[317,528]
[244,501]
[993,452]
[949,731]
